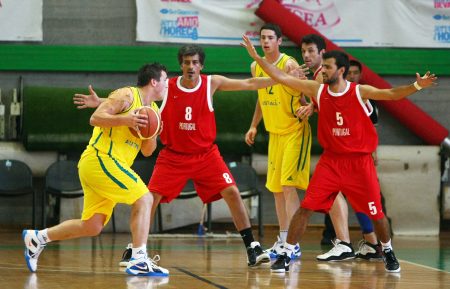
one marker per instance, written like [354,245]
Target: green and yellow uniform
[289,137]
[105,167]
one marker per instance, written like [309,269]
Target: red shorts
[208,171]
[352,174]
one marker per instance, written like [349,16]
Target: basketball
[153,125]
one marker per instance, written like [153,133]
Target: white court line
[423,266]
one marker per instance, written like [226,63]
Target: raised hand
[84,101]
[249,46]
[426,80]
[300,72]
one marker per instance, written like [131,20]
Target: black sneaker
[390,261]
[368,251]
[256,255]
[281,265]
[126,256]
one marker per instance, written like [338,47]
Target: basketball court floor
[219,262]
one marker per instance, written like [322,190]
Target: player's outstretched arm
[87,100]
[219,82]
[399,92]
[308,87]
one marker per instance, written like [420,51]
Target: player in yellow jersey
[106,176]
[289,137]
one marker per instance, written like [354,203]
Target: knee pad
[365,223]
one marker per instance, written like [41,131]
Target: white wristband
[417,86]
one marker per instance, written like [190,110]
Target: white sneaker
[340,252]
[276,249]
[146,267]
[369,251]
[297,253]
[33,248]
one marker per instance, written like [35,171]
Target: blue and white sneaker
[33,248]
[276,249]
[297,252]
[146,267]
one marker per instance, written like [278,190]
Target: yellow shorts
[105,183]
[289,159]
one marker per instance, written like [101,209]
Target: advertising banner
[359,23]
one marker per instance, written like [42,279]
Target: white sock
[43,236]
[140,252]
[387,245]
[283,235]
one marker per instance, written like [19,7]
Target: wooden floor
[204,263]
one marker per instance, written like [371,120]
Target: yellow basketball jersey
[279,103]
[118,142]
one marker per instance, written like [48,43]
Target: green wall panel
[220,59]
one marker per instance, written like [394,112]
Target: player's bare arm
[219,82]
[252,131]
[148,146]
[90,100]
[396,93]
[253,68]
[309,87]
[107,114]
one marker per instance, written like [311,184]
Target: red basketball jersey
[314,77]
[189,125]
[344,124]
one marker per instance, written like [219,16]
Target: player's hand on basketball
[250,136]
[249,46]
[427,80]
[137,120]
[84,101]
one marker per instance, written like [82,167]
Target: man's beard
[331,80]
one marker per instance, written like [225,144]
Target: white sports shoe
[369,251]
[146,267]
[33,248]
[276,249]
[340,252]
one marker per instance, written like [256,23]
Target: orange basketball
[153,125]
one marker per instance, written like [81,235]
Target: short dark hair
[270,26]
[314,39]
[191,50]
[356,63]
[340,57]
[149,72]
